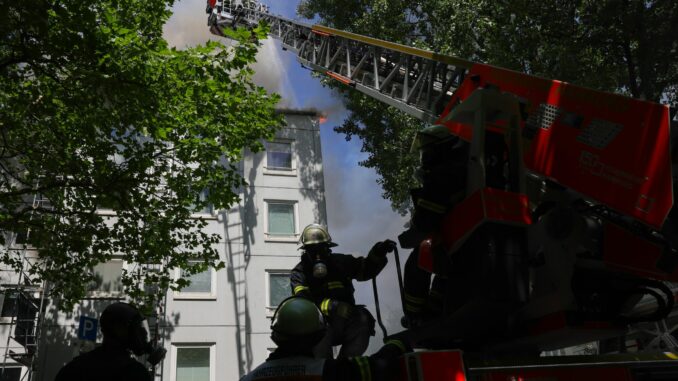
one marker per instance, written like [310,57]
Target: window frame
[8,319]
[4,319]
[270,310]
[22,369]
[174,351]
[96,294]
[268,237]
[210,214]
[9,277]
[277,171]
[211,295]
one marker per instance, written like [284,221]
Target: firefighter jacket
[337,285]
[105,363]
[381,366]
[443,176]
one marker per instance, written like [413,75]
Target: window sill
[20,246]
[291,172]
[281,238]
[195,216]
[105,295]
[204,216]
[194,296]
[270,311]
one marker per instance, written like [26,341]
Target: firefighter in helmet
[326,279]
[442,178]
[125,333]
[297,326]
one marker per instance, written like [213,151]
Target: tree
[96,111]
[624,46]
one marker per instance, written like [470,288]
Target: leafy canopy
[97,112]
[624,46]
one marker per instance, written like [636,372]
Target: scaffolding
[25,309]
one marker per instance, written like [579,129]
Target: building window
[206,209]
[8,304]
[20,239]
[279,155]
[203,285]
[11,374]
[8,300]
[193,362]
[107,279]
[24,308]
[278,287]
[281,220]
[280,158]
[200,282]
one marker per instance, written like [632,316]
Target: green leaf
[99,113]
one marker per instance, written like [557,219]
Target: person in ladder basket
[442,174]
[326,279]
[296,328]
[442,178]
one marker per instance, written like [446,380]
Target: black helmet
[297,321]
[128,319]
[430,137]
[119,314]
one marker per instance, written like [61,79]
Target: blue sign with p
[87,329]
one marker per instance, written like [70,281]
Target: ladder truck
[578,243]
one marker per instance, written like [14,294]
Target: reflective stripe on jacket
[337,285]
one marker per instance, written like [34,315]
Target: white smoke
[270,72]
[357,214]
[188,27]
[358,217]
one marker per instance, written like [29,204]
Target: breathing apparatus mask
[318,254]
[140,345]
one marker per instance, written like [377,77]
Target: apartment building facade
[218,328]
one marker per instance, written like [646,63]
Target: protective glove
[383,247]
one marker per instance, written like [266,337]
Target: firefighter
[124,333]
[442,176]
[326,279]
[297,326]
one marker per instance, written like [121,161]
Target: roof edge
[313,112]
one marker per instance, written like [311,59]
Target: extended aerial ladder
[416,81]
[427,85]
[588,178]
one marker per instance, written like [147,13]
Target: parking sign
[87,329]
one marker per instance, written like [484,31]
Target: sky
[358,216]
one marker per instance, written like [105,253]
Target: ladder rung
[20,286]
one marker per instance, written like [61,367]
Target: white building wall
[234,322]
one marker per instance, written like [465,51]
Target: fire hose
[376,293]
